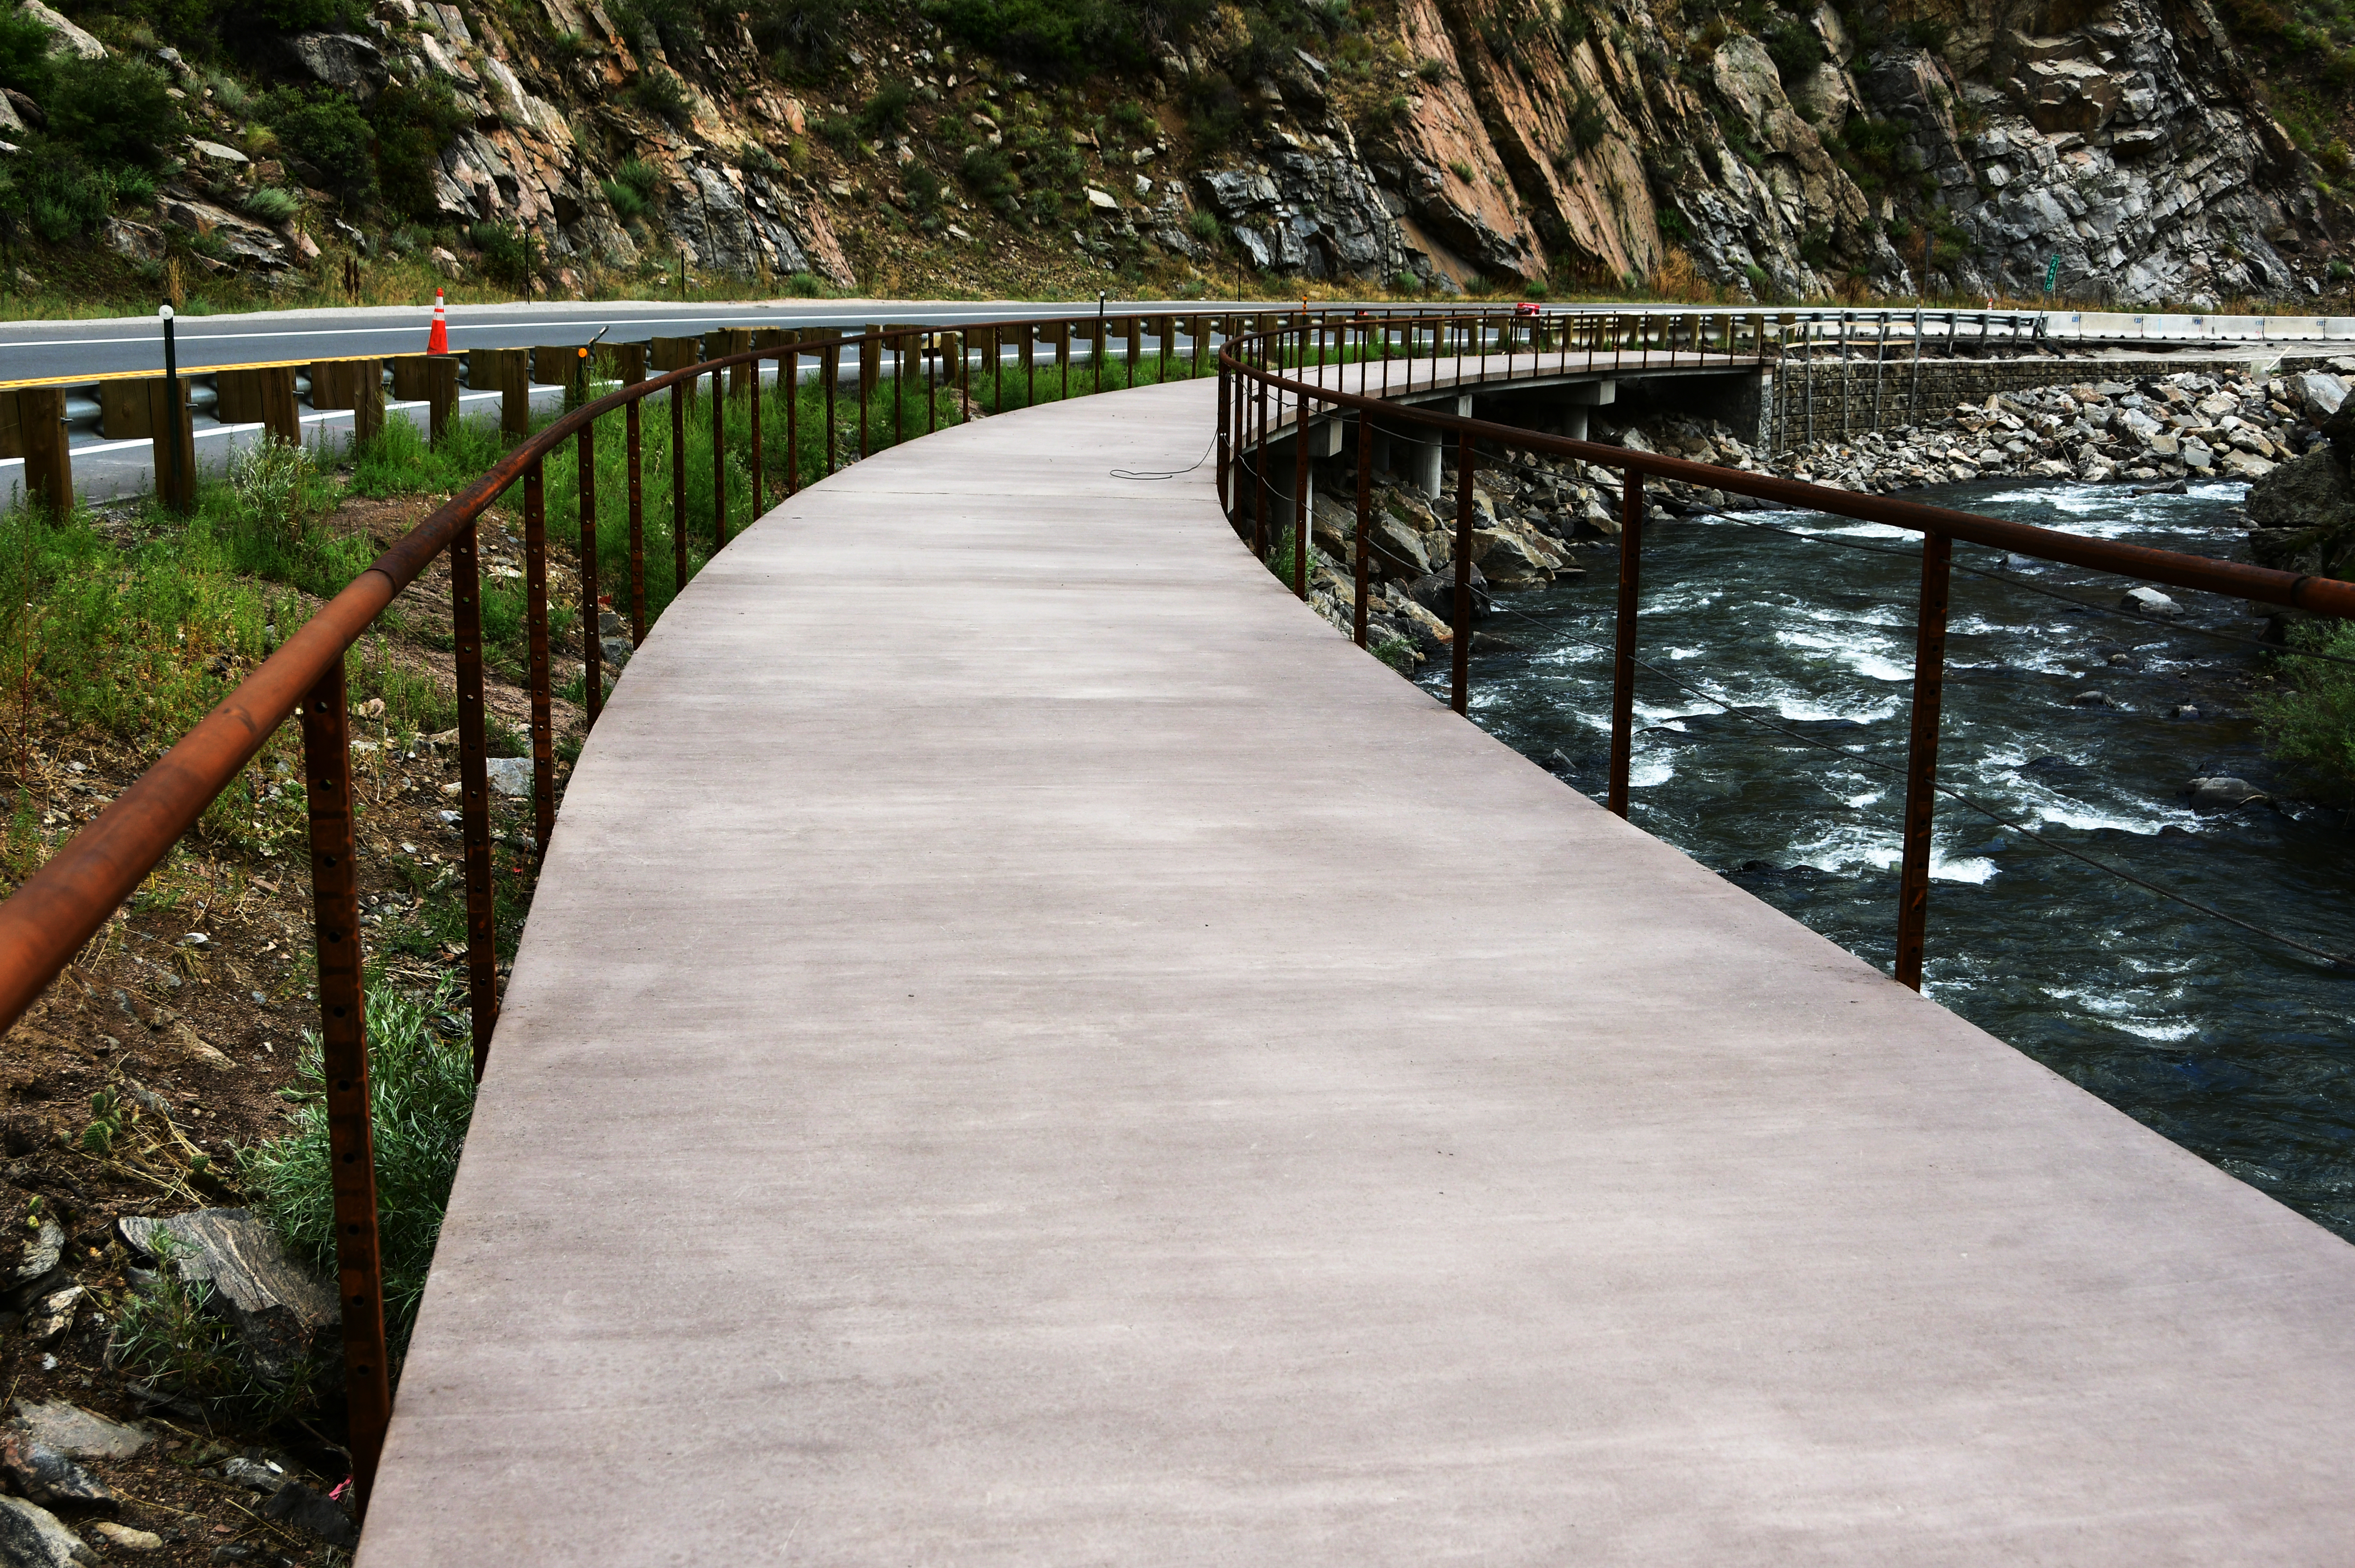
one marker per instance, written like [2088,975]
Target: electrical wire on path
[1125,474]
[2018,581]
[2335,960]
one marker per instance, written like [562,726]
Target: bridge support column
[1422,467]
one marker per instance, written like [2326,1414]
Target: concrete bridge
[1030,1048]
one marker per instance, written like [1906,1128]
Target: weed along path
[1030,1047]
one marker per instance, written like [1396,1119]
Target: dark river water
[2234,1046]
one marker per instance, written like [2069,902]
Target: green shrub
[837,132]
[923,190]
[1216,117]
[1924,33]
[1056,38]
[413,124]
[24,53]
[51,191]
[807,39]
[640,177]
[1588,123]
[626,203]
[325,135]
[674,25]
[273,204]
[2309,719]
[504,251]
[420,1097]
[1795,49]
[1205,225]
[114,110]
[663,95]
[886,111]
[985,173]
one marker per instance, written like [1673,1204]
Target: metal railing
[1311,365]
[1395,355]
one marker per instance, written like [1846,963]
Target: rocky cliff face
[2115,148]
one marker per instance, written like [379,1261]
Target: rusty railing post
[1622,664]
[832,356]
[543,738]
[632,433]
[1365,514]
[1459,685]
[760,457]
[1226,412]
[678,486]
[342,1047]
[789,374]
[719,462]
[474,796]
[1300,497]
[1259,465]
[592,662]
[1921,758]
[870,369]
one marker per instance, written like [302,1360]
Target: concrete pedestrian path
[1031,1049]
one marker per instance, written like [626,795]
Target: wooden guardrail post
[176,464]
[677,354]
[737,340]
[264,396]
[504,370]
[440,396]
[354,384]
[40,426]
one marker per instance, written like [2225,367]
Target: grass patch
[421,1094]
[2309,719]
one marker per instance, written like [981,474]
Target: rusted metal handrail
[1254,360]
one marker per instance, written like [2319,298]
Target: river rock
[2221,793]
[280,1312]
[123,1538]
[2316,394]
[32,1537]
[299,1505]
[77,1433]
[49,1316]
[510,775]
[2150,602]
[38,1472]
[42,1252]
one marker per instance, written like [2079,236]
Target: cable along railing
[1310,368]
[1397,354]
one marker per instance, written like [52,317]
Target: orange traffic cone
[437,341]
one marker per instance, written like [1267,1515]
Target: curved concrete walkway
[1031,1048]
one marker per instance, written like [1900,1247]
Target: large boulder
[2302,515]
[345,61]
[65,38]
[279,1310]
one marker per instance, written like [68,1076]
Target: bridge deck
[1031,1049]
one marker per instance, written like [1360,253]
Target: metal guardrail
[67,900]
[1252,370]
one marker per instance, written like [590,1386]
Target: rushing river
[2234,1046]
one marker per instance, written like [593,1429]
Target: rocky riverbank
[1534,517]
